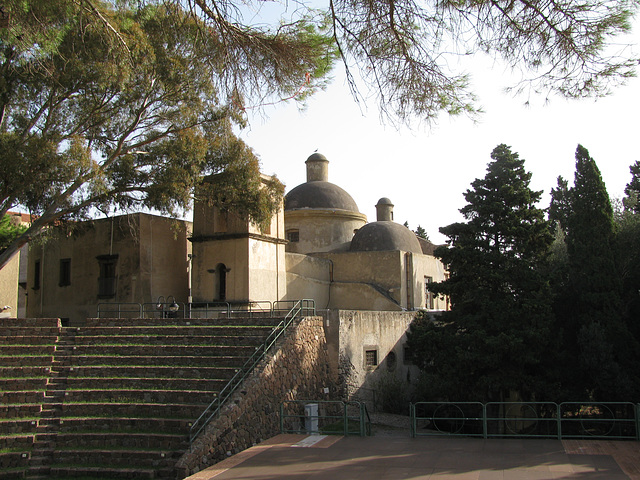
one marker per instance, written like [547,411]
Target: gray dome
[383,236]
[321,195]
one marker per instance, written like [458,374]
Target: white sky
[426,171]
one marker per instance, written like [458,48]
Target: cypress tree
[494,340]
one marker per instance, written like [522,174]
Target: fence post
[412,420]
[485,428]
[559,417]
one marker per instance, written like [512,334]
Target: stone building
[112,263]
[367,279]
[13,276]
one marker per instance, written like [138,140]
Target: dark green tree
[632,190]
[496,338]
[560,206]
[104,106]
[9,231]
[595,335]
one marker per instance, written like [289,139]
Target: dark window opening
[65,272]
[293,235]
[391,361]
[429,298]
[221,282]
[370,358]
[36,275]
[107,278]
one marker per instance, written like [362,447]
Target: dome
[320,195]
[383,236]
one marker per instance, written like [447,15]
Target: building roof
[319,195]
[383,236]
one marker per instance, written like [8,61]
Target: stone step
[172,331]
[21,397]
[9,384]
[130,410]
[140,396]
[27,350]
[17,337]
[98,383]
[13,426]
[124,425]
[117,440]
[20,411]
[167,340]
[152,372]
[69,472]
[26,360]
[30,323]
[167,350]
[175,360]
[19,442]
[133,322]
[143,459]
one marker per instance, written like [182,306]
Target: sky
[425,170]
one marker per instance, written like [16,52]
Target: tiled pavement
[298,457]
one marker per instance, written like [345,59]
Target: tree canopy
[127,102]
[493,340]
[103,105]
[406,53]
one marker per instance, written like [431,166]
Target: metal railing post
[485,427]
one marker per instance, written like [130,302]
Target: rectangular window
[429,302]
[36,275]
[293,235]
[370,358]
[107,278]
[65,272]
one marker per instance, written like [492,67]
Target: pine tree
[560,206]
[497,334]
[632,190]
[594,331]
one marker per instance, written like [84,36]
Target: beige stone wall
[322,230]
[359,331]
[9,276]
[299,369]
[152,261]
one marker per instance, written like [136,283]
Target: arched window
[220,292]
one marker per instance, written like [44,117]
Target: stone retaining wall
[298,370]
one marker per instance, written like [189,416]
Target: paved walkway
[300,457]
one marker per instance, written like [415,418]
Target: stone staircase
[115,398]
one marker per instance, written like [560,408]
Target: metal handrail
[611,420]
[216,405]
[119,309]
[340,419]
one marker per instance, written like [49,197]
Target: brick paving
[300,457]
[626,454]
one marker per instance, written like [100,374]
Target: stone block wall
[297,369]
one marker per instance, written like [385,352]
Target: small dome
[384,201]
[384,236]
[321,195]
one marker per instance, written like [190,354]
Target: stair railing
[300,307]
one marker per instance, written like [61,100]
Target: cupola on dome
[317,192]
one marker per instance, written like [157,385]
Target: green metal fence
[325,417]
[595,420]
